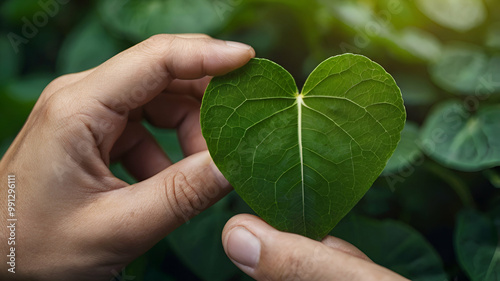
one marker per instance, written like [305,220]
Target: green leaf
[477,245]
[466,69]
[198,244]
[393,245]
[302,161]
[86,47]
[421,44]
[15,11]
[493,36]
[140,19]
[461,140]
[460,15]
[407,151]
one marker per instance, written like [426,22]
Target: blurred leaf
[198,244]
[461,140]
[477,245]
[138,20]
[407,150]
[368,25]
[400,13]
[86,47]
[493,36]
[393,245]
[416,89]
[421,44]
[460,15]
[15,10]
[10,61]
[351,13]
[466,69]
[27,89]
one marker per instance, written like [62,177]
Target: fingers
[139,152]
[180,112]
[135,76]
[267,254]
[153,208]
[195,88]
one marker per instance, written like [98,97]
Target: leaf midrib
[300,102]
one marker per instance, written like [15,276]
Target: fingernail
[243,247]
[238,45]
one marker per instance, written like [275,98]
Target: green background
[432,215]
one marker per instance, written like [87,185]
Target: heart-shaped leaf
[303,160]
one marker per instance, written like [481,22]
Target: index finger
[135,76]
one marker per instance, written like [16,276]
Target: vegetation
[434,213]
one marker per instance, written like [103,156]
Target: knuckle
[182,196]
[54,86]
[155,43]
[55,107]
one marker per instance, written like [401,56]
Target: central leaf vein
[299,131]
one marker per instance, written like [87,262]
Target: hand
[76,221]
[267,254]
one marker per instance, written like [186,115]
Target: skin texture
[76,221]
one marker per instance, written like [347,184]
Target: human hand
[265,253]
[76,221]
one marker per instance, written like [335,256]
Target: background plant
[432,215]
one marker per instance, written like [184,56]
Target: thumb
[144,213]
[265,253]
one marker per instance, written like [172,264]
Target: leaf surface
[465,69]
[477,245]
[302,161]
[459,15]
[462,140]
[137,20]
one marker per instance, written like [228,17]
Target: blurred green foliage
[435,209]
